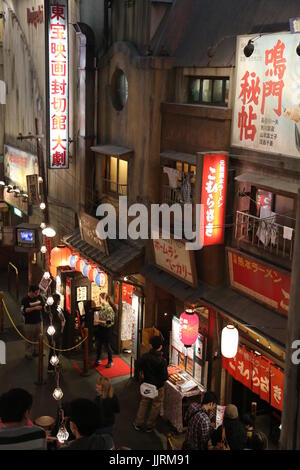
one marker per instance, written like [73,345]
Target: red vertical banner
[117,292]
[57,82]
[277,379]
[127,292]
[256,374]
[68,295]
[213,198]
[243,366]
[265,379]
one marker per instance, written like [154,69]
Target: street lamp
[49,232]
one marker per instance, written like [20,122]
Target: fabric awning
[179,156]
[225,300]
[110,149]
[122,253]
[267,182]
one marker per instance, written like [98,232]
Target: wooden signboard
[88,230]
[33,189]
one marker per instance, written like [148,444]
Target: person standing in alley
[199,424]
[104,319]
[32,308]
[155,372]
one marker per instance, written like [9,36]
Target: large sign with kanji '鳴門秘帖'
[58,83]
[266,107]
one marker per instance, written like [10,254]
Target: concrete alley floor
[19,372]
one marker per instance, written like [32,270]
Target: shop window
[208,90]
[116,175]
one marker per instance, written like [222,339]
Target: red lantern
[78,264]
[60,256]
[91,272]
[189,326]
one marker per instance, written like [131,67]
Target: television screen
[26,237]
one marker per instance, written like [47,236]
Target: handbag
[148,390]
[223,445]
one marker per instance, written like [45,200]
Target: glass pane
[226,91]
[179,166]
[206,90]
[113,174]
[193,171]
[218,91]
[194,91]
[123,172]
[186,167]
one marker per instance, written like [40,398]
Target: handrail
[11,265]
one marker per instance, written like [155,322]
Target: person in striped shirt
[15,434]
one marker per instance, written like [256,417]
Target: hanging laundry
[288,233]
[186,188]
[274,234]
[173,175]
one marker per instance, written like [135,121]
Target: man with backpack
[155,371]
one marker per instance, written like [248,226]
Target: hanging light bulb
[40,179]
[54,360]
[62,435]
[50,300]
[229,341]
[51,330]
[42,206]
[58,394]
[49,232]
[43,225]
[47,275]
[2,183]
[43,249]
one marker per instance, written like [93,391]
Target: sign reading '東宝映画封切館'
[58,83]
[266,107]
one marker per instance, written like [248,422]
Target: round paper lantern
[78,264]
[73,259]
[95,273]
[100,279]
[60,256]
[189,326]
[91,272]
[86,269]
[229,341]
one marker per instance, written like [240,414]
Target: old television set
[26,237]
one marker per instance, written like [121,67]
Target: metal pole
[290,432]
[1,312]
[41,361]
[86,353]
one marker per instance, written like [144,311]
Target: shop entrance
[267,418]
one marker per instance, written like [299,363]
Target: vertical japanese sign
[57,83]
[266,108]
[213,198]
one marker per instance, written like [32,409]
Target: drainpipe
[85,112]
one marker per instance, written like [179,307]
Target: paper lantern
[101,279]
[91,272]
[78,264]
[86,268]
[60,256]
[189,326]
[73,259]
[229,341]
[95,273]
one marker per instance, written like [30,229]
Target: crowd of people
[90,424]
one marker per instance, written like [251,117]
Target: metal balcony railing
[174,195]
[265,233]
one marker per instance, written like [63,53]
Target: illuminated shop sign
[58,81]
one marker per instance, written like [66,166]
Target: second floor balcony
[266,234]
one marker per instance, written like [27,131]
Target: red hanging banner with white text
[57,62]
[213,198]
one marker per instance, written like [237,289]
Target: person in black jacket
[155,372]
[108,404]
